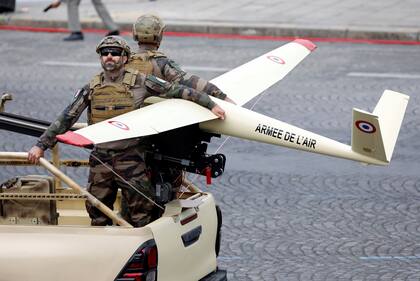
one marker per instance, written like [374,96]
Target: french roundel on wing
[119,125]
[276,59]
[365,127]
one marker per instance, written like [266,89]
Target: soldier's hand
[218,111]
[229,100]
[34,154]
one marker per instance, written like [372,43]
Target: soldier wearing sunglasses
[117,90]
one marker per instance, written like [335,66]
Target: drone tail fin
[375,134]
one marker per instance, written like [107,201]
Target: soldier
[128,90]
[148,32]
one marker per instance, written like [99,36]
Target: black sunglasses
[114,52]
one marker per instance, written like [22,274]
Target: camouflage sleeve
[202,85]
[170,70]
[165,89]
[65,120]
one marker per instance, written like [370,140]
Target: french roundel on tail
[375,134]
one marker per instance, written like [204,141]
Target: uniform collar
[114,76]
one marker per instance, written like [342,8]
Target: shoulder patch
[175,72]
[77,93]
[174,65]
[156,84]
[160,80]
[80,94]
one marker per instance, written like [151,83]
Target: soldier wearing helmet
[113,44]
[148,32]
[114,91]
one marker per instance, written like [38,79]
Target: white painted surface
[252,78]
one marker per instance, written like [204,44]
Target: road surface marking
[390,258]
[384,75]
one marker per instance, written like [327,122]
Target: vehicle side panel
[187,263]
[51,253]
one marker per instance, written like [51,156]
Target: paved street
[380,19]
[288,215]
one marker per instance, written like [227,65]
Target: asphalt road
[288,215]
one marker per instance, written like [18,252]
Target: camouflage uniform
[148,31]
[104,184]
[126,156]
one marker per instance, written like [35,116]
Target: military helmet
[116,42]
[148,29]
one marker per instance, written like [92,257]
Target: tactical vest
[108,101]
[143,62]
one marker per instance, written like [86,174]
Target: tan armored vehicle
[45,234]
[45,231]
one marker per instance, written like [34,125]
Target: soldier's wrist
[221,95]
[211,105]
[205,100]
[41,145]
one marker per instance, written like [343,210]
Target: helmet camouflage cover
[116,42]
[148,29]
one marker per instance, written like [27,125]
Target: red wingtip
[306,43]
[74,139]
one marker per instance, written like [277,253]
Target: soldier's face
[112,59]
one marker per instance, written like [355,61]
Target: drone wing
[240,84]
[252,78]
[153,119]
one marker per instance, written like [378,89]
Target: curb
[352,33]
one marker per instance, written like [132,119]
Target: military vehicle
[44,229]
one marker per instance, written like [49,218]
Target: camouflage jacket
[144,87]
[167,69]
